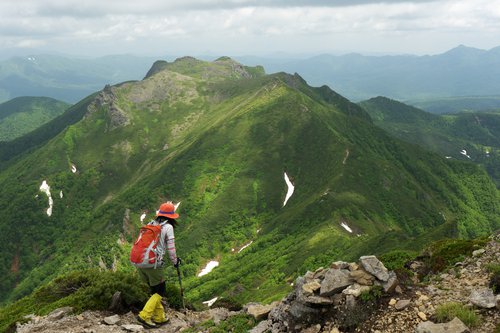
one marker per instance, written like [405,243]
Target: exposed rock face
[335,280]
[107,99]
[484,298]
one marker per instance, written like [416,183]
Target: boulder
[339,265]
[59,313]
[402,304]
[259,311]
[355,290]
[133,328]
[302,313]
[477,253]
[262,327]
[317,300]
[362,277]
[391,283]
[335,280]
[484,298]
[311,287]
[375,267]
[455,326]
[112,320]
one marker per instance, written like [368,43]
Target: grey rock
[133,328]
[262,327]
[317,300]
[402,304]
[59,313]
[350,302]
[484,298]
[391,283]
[362,277]
[375,267]
[339,265]
[355,290]
[259,311]
[455,326]
[112,320]
[302,312]
[311,287]
[219,314]
[477,253]
[335,280]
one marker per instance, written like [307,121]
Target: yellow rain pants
[153,310]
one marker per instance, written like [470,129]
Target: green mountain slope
[24,114]
[478,134]
[219,137]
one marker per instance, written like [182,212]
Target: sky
[246,27]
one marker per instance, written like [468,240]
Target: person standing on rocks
[154,241]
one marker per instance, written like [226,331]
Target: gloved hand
[178,262]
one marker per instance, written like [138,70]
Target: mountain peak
[221,68]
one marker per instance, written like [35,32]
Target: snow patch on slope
[45,188]
[346,227]
[211,302]
[210,266]
[245,246]
[291,188]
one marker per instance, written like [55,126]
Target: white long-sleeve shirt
[166,242]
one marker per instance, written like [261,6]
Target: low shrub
[494,283]
[447,252]
[397,259]
[82,290]
[371,295]
[447,311]
[241,323]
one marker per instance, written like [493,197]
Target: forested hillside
[220,138]
[466,136]
[24,114]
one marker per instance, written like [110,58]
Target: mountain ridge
[219,141]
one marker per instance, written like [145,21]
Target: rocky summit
[361,296]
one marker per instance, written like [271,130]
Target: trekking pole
[182,290]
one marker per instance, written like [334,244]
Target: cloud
[245,25]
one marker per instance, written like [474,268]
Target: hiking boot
[147,323]
[161,322]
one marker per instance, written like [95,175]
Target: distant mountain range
[228,142]
[463,78]
[462,71]
[66,79]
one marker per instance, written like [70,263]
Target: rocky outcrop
[329,299]
[107,99]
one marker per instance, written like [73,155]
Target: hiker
[147,255]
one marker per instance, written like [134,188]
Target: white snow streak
[464,152]
[346,227]
[210,302]
[143,216]
[61,195]
[211,265]
[73,168]
[45,188]
[291,188]
[177,205]
[245,246]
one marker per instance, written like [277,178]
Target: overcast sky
[244,27]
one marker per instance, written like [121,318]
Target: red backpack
[143,253]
